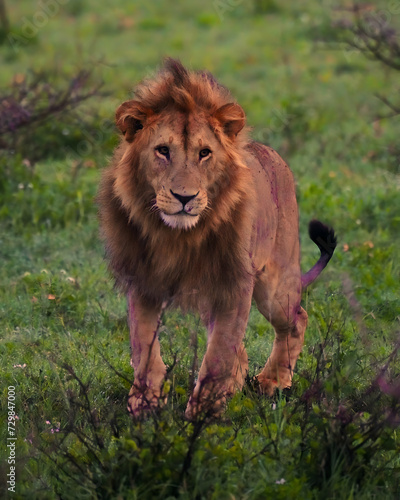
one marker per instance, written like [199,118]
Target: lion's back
[276,220]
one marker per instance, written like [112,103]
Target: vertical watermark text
[11,439]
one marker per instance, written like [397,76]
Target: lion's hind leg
[288,343]
[289,320]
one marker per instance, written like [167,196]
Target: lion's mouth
[183,212]
[180,220]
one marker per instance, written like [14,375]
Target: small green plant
[41,199]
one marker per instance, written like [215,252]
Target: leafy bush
[319,439]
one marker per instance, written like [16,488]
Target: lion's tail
[324,237]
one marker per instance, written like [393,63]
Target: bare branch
[34,99]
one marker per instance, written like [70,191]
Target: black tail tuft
[325,239]
[323,236]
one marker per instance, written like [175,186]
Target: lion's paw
[205,408]
[208,400]
[268,385]
[142,401]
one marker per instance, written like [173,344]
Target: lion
[195,215]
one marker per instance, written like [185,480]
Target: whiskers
[207,209]
[154,209]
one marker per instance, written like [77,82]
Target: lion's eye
[204,153]
[163,150]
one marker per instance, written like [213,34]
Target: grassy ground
[64,339]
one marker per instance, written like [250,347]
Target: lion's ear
[130,118]
[232,117]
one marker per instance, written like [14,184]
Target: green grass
[335,435]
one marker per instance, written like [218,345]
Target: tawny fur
[236,239]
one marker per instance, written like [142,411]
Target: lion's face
[183,157]
[182,162]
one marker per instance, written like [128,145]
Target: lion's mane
[209,260]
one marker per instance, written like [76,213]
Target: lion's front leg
[146,358]
[225,363]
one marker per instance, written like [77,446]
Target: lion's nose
[184,199]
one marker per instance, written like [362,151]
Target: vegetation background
[64,338]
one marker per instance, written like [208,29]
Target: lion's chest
[193,278]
